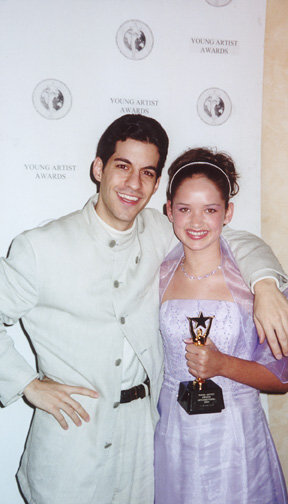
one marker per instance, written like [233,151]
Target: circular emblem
[52,99]
[214,106]
[135,39]
[218,3]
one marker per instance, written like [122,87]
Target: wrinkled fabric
[219,458]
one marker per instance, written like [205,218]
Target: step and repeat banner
[70,67]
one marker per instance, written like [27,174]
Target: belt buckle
[136,392]
[142,391]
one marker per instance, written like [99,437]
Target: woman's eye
[183,209]
[122,166]
[210,210]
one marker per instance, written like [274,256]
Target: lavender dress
[217,458]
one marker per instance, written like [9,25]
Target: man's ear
[169,210]
[97,169]
[156,184]
[229,213]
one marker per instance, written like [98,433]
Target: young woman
[226,457]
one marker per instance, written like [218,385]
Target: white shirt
[133,372]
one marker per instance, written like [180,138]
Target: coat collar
[97,231]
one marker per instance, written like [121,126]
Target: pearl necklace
[194,277]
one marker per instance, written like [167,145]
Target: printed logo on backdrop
[135,39]
[214,106]
[52,99]
[209,45]
[218,3]
[50,171]
[134,105]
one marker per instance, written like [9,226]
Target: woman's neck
[201,262]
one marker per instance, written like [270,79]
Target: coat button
[112,243]
[118,362]
[122,320]
[116,404]
[107,445]
[116,284]
[137,259]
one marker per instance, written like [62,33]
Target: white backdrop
[70,67]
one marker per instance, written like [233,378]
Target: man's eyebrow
[124,160]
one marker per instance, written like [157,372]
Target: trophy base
[195,401]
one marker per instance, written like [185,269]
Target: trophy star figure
[200,321]
[199,337]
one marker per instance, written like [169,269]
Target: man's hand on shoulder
[271,316]
[53,397]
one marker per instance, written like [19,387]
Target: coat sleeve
[254,257]
[18,295]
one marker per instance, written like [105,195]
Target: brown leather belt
[137,392]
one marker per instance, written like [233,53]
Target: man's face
[127,182]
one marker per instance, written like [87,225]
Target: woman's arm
[207,361]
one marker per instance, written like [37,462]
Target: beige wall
[275,175]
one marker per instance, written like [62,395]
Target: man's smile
[128,198]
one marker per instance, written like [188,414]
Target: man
[94,327]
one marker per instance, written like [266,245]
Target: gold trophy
[200,396]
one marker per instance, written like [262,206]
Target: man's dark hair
[137,127]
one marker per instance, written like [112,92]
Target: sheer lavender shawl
[244,299]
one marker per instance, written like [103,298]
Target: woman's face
[198,213]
